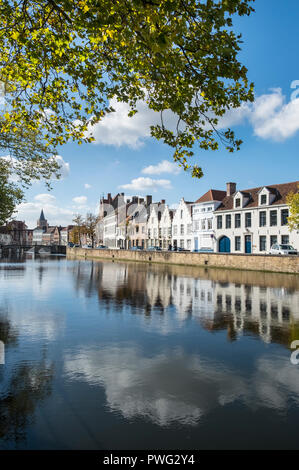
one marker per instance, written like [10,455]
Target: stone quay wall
[268,263]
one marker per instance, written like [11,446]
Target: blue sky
[269,129]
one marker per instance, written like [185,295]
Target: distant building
[5,236]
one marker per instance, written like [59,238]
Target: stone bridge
[22,249]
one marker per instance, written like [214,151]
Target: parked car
[101,247]
[86,246]
[136,248]
[203,250]
[181,249]
[282,250]
[154,248]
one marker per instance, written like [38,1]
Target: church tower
[42,222]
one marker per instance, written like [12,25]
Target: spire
[42,222]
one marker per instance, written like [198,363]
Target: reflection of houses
[272,313]
[252,220]
[265,307]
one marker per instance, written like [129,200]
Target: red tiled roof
[212,195]
[281,191]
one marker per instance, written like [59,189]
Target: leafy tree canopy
[62,61]
[293,202]
[10,194]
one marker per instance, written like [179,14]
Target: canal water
[102,355]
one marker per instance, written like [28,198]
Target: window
[228,221]
[188,244]
[238,202]
[273,240]
[263,218]
[285,239]
[248,219]
[263,199]
[237,220]
[203,224]
[189,229]
[196,225]
[273,218]
[210,224]
[237,243]
[175,229]
[182,243]
[219,221]
[182,229]
[263,243]
[143,229]
[284,216]
[137,229]
[181,214]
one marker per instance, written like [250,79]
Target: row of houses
[45,234]
[233,221]
[17,233]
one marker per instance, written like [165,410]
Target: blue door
[224,245]
[196,243]
[247,243]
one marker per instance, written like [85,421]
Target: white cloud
[163,167]
[64,166]
[45,198]
[87,186]
[144,184]
[273,118]
[270,116]
[55,214]
[80,200]
[118,129]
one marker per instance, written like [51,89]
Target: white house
[182,225]
[203,220]
[153,224]
[166,226]
[252,220]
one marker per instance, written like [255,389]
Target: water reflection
[99,354]
[266,305]
[175,387]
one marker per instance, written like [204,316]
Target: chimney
[109,197]
[230,188]
[148,200]
[162,201]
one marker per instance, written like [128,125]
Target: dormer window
[263,199]
[238,202]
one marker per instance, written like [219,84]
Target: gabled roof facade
[280,190]
[212,195]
